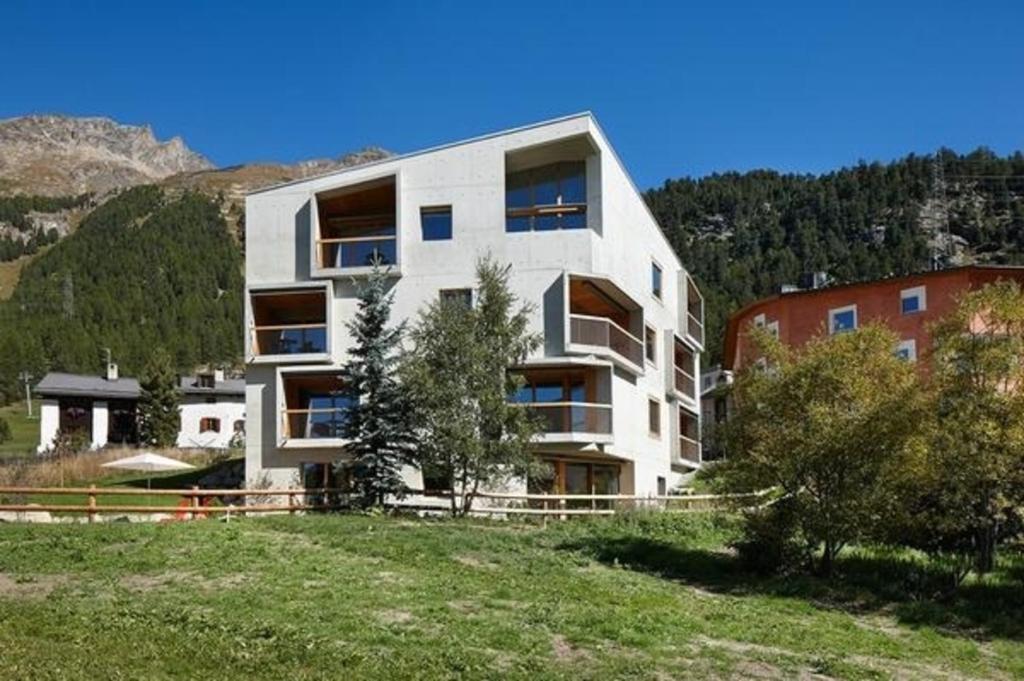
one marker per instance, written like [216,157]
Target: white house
[104,408]
[622,320]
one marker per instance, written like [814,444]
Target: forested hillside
[745,235]
[142,270]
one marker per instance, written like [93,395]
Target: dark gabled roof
[57,384]
[189,385]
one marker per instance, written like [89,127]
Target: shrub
[772,541]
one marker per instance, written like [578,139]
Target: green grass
[359,597]
[24,431]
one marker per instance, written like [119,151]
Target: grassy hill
[635,597]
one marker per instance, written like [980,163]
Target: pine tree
[159,417]
[379,416]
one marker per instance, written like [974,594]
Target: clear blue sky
[681,88]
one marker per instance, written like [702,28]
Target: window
[546,198]
[209,425]
[656,280]
[907,350]
[206,380]
[436,223]
[912,300]
[654,417]
[759,321]
[239,426]
[842,319]
[651,345]
[662,487]
[462,297]
[773,328]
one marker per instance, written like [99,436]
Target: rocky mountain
[64,155]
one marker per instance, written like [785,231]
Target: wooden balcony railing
[574,417]
[603,332]
[313,424]
[289,339]
[694,327]
[360,251]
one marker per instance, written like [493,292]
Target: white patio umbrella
[149,462]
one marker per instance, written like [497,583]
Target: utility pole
[26,378]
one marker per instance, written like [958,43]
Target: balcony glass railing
[314,424]
[689,450]
[573,417]
[694,327]
[603,332]
[360,251]
[290,339]
[684,382]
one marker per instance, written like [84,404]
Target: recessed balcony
[289,324]
[354,227]
[687,454]
[691,314]
[313,409]
[573,403]
[681,378]
[605,322]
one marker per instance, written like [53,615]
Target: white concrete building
[104,409]
[621,318]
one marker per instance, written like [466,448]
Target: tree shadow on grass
[863,584]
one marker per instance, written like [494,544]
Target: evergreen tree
[378,419]
[159,415]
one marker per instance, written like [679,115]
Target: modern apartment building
[622,321]
[908,305]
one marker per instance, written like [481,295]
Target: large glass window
[436,223]
[325,415]
[547,198]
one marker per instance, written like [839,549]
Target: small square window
[656,280]
[463,297]
[907,350]
[912,300]
[842,319]
[651,345]
[436,223]
[654,417]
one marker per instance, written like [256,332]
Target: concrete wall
[49,423]
[621,241]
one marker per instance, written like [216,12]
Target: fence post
[195,502]
[291,504]
[562,505]
[92,503]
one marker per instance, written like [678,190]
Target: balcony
[313,409]
[693,312]
[682,382]
[688,455]
[289,324]
[573,403]
[605,322]
[355,227]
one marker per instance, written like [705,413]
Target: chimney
[112,373]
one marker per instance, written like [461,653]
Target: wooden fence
[197,503]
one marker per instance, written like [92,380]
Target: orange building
[908,305]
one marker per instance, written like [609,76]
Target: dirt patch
[567,652]
[471,561]
[757,669]
[147,583]
[395,617]
[36,587]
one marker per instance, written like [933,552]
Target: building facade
[908,305]
[621,319]
[104,409]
